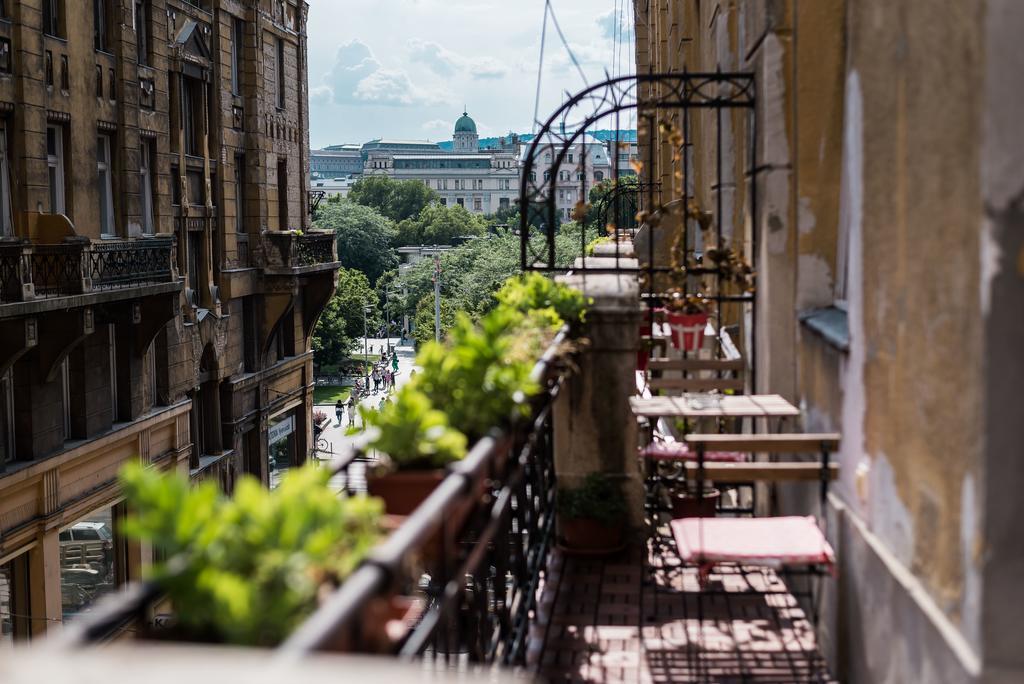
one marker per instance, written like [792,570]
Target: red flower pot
[687,330]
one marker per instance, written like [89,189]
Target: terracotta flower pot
[687,330]
[686,505]
[404,491]
[590,535]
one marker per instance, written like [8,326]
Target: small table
[729,406]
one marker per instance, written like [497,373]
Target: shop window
[15,601]
[280,446]
[92,560]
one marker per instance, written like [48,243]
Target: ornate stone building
[154,305]
[483,181]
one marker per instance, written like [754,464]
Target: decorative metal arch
[682,103]
[608,100]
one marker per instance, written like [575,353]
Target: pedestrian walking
[394,362]
[339,408]
[351,405]
[376,379]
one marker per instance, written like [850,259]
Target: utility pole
[387,319]
[366,353]
[437,297]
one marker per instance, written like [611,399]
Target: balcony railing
[287,251]
[29,271]
[480,593]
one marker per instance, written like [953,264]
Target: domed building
[482,181]
[465,139]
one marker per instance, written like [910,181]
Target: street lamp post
[366,352]
[387,320]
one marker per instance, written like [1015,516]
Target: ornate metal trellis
[720,108]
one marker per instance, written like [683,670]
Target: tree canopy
[342,320]
[423,321]
[437,224]
[396,199]
[364,236]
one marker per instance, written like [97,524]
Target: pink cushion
[776,542]
[678,451]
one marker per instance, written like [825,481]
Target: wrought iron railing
[480,593]
[315,248]
[125,263]
[57,269]
[283,251]
[15,271]
[32,271]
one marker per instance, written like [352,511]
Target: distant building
[394,146]
[336,161]
[333,186]
[586,163]
[481,181]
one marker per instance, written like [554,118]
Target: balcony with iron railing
[296,253]
[33,274]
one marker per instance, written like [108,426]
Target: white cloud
[356,77]
[445,62]
[437,125]
[608,22]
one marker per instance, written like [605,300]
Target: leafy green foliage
[423,322]
[396,199]
[414,434]
[598,497]
[341,323]
[472,272]
[252,564]
[533,292]
[437,224]
[364,236]
[481,371]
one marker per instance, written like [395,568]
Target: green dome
[465,124]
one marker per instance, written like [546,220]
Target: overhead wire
[572,56]
[540,65]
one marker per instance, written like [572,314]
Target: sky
[406,68]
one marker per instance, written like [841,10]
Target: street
[334,439]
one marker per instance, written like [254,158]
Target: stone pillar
[89,386]
[594,428]
[44,583]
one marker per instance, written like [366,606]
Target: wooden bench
[822,443]
[734,367]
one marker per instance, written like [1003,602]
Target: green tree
[423,322]
[439,225]
[364,236]
[341,323]
[396,199]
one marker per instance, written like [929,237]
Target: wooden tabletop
[734,406]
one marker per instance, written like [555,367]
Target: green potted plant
[591,517]
[416,442]
[247,569]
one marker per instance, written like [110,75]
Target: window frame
[105,169]
[146,186]
[237,47]
[55,169]
[279,76]
[6,210]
